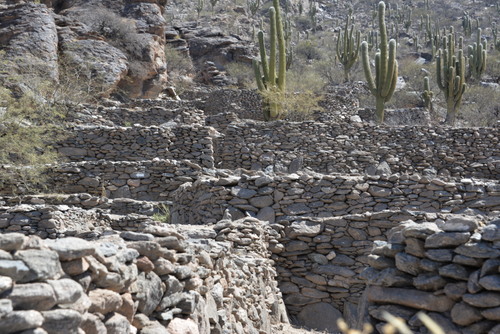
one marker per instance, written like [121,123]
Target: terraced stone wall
[207,280]
[142,180]
[275,197]
[349,147]
[191,142]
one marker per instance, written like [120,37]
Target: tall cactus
[427,96]
[477,57]
[450,71]
[271,84]
[386,67]
[348,47]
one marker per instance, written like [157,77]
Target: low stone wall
[209,280]
[448,269]
[274,197]
[141,113]
[119,206]
[354,147]
[191,142]
[142,180]
[50,221]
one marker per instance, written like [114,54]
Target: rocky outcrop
[28,32]
[99,45]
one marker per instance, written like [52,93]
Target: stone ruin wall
[325,147]
[211,280]
[275,197]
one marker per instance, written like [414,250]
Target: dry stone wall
[207,280]
[448,268]
[354,147]
[274,197]
[142,180]
[192,142]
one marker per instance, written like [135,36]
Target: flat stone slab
[411,298]
[71,248]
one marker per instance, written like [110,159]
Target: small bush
[163,214]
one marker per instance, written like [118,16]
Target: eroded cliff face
[108,44]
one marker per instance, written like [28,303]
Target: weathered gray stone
[491,313]
[479,250]
[320,316]
[379,191]
[490,282]
[407,263]
[296,209]
[298,300]
[15,269]
[314,293]
[267,214]
[413,298]
[440,255]
[490,266]
[243,192]
[289,287]
[66,290]
[459,224]
[32,296]
[385,249]
[473,282]
[491,232]
[136,236]
[318,258]
[414,247]
[429,282]
[464,314]
[262,201]
[92,324]
[43,264]
[296,245]
[380,262]
[303,228]
[61,321]
[117,324]
[398,311]
[455,290]
[454,271]
[446,239]
[20,320]
[71,248]
[333,270]
[11,241]
[393,277]
[421,231]
[482,299]
[149,292]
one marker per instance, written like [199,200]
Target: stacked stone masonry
[275,197]
[448,268]
[162,280]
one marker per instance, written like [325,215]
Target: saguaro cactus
[386,67]
[477,57]
[272,84]
[348,47]
[450,71]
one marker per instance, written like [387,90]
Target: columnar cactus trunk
[269,82]
[450,75]
[386,67]
[427,96]
[477,57]
[348,47]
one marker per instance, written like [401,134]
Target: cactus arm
[394,81]
[258,76]
[263,56]
[366,67]
[272,45]
[281,48]
[391,68]
[382,69]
